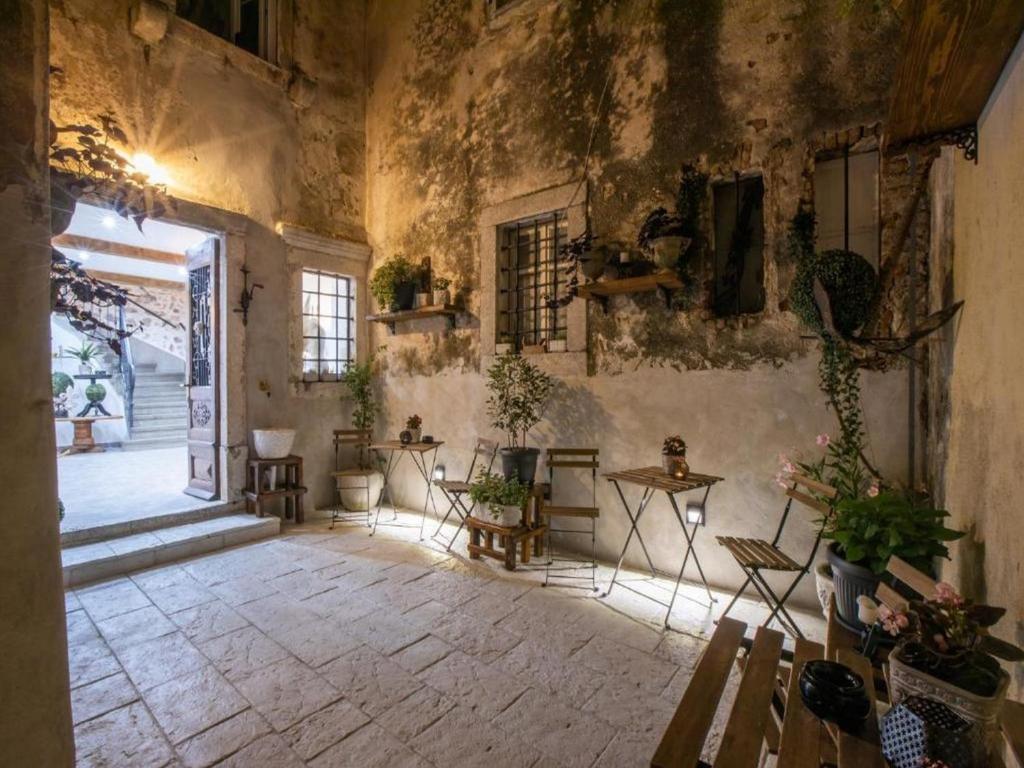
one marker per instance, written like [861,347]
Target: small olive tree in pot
[519,393]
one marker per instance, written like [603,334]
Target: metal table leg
[689,549]
[388,469]
[421,465]
[634,522]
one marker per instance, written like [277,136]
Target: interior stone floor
[120,486]
[326,648]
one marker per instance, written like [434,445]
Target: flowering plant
[947,637]
[413,422]
[674,446]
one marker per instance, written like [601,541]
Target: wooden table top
[655,477]
[398,445]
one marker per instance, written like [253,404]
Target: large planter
[823,585]
[511,515]
[360,492]
[666,250]
[905,680]
[520,463]
[273,443]
[593,262]
[850,582]
[405,295]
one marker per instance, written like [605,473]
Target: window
[328,325]
[846,204]
[528,276]
[497,7]
[739,246]
[249,24]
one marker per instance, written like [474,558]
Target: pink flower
[873,490]
[789,467]
[945,593]
[892,621]
[823,440]
[781,481]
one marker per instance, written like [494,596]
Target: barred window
[529,267]
[328,325]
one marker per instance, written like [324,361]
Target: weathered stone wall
[984,455]
[170,302]
[35,708]
[465,113]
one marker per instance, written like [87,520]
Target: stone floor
[120,486]
[325,648]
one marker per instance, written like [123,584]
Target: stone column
[35,709]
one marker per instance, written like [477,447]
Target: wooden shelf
[664,281]
[446,311]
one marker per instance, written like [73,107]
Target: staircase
[160,410]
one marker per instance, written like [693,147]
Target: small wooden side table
[289,486]
[83,441]
[512,539]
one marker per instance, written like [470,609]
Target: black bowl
[834,692]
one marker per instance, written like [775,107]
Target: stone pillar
[35,709]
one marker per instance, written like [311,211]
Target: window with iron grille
[529,274]
[328,325]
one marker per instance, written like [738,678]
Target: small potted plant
[86,355]
[393,284]
[519,393]
[944,652]
[442,296]
[414,424]
[503,498]
[662,235]
[359,493]
[673,457]
[61,383]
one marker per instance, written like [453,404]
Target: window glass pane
[830,220]
[212,15]
[310,281]
[327,308]
[328,349]
[328,284]
[309,350]
[739,274]
[529,276]
[328,305]
[328,327]
[310,327]
[310,303]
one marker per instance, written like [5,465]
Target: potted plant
[519,392]
[356,492]
[393,284]
[85,354]
[944,652]
[61,384]
[504,345]
[442,296]
[414,424]
[673,457]
[662,236]
[503,497]
[866,532]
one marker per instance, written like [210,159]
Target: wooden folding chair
[756,555]
[567,459]
[454,490]
[360,439]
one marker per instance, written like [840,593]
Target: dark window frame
[728,297]
[340,337]
[231,27]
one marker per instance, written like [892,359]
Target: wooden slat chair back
[744,736]
[484,453]
[351,438]
[756,555]
[572,459]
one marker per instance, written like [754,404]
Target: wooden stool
[512,539]
[292,489]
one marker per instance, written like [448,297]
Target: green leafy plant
[441,283]
[358,379]
[674,446]
[393,271]
[659,223]
[571,257]
[519,393]
[495,492]
[85,354]
[61,383]
[872,529]
[60,510]
[849,280]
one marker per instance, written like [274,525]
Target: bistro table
[395,450]
[83,441]
[652,480]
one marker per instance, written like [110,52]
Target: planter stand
[512,539]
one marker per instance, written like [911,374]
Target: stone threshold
[116,556]
[144,524]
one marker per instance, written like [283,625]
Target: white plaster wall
[985,468]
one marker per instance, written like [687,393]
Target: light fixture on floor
[694,513]
[439,472]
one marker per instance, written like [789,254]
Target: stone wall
[170,302]
[980,464]
[465,113]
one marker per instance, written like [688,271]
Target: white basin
[273,443]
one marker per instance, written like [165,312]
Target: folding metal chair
[756,555]
[454,490]
[360,439]
[567,459]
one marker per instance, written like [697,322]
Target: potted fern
[393,284]
[503,498]
[519,393]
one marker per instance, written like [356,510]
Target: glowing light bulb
[144,163]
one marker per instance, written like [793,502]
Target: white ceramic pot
[824,585]
[84,369]
[511,515]
[273,443]
[667,249]
[416,434]
[423,299]
[442,298]
[355,490]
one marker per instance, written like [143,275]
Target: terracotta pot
[905,680]
[675,466]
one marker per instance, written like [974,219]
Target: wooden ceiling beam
[135,280]
[93,245]
[952,55]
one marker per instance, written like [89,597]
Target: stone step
[168,411]
[159,389]
[103,559]
[150,443]
[158,399]
[159,376]
[159,425]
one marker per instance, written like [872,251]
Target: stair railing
[126,364]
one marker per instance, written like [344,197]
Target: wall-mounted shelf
[665,282]
[446,311]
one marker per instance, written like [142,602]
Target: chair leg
[736,597]
[593,553]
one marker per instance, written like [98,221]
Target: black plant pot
[520,463]
[405,294]
[851,581]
